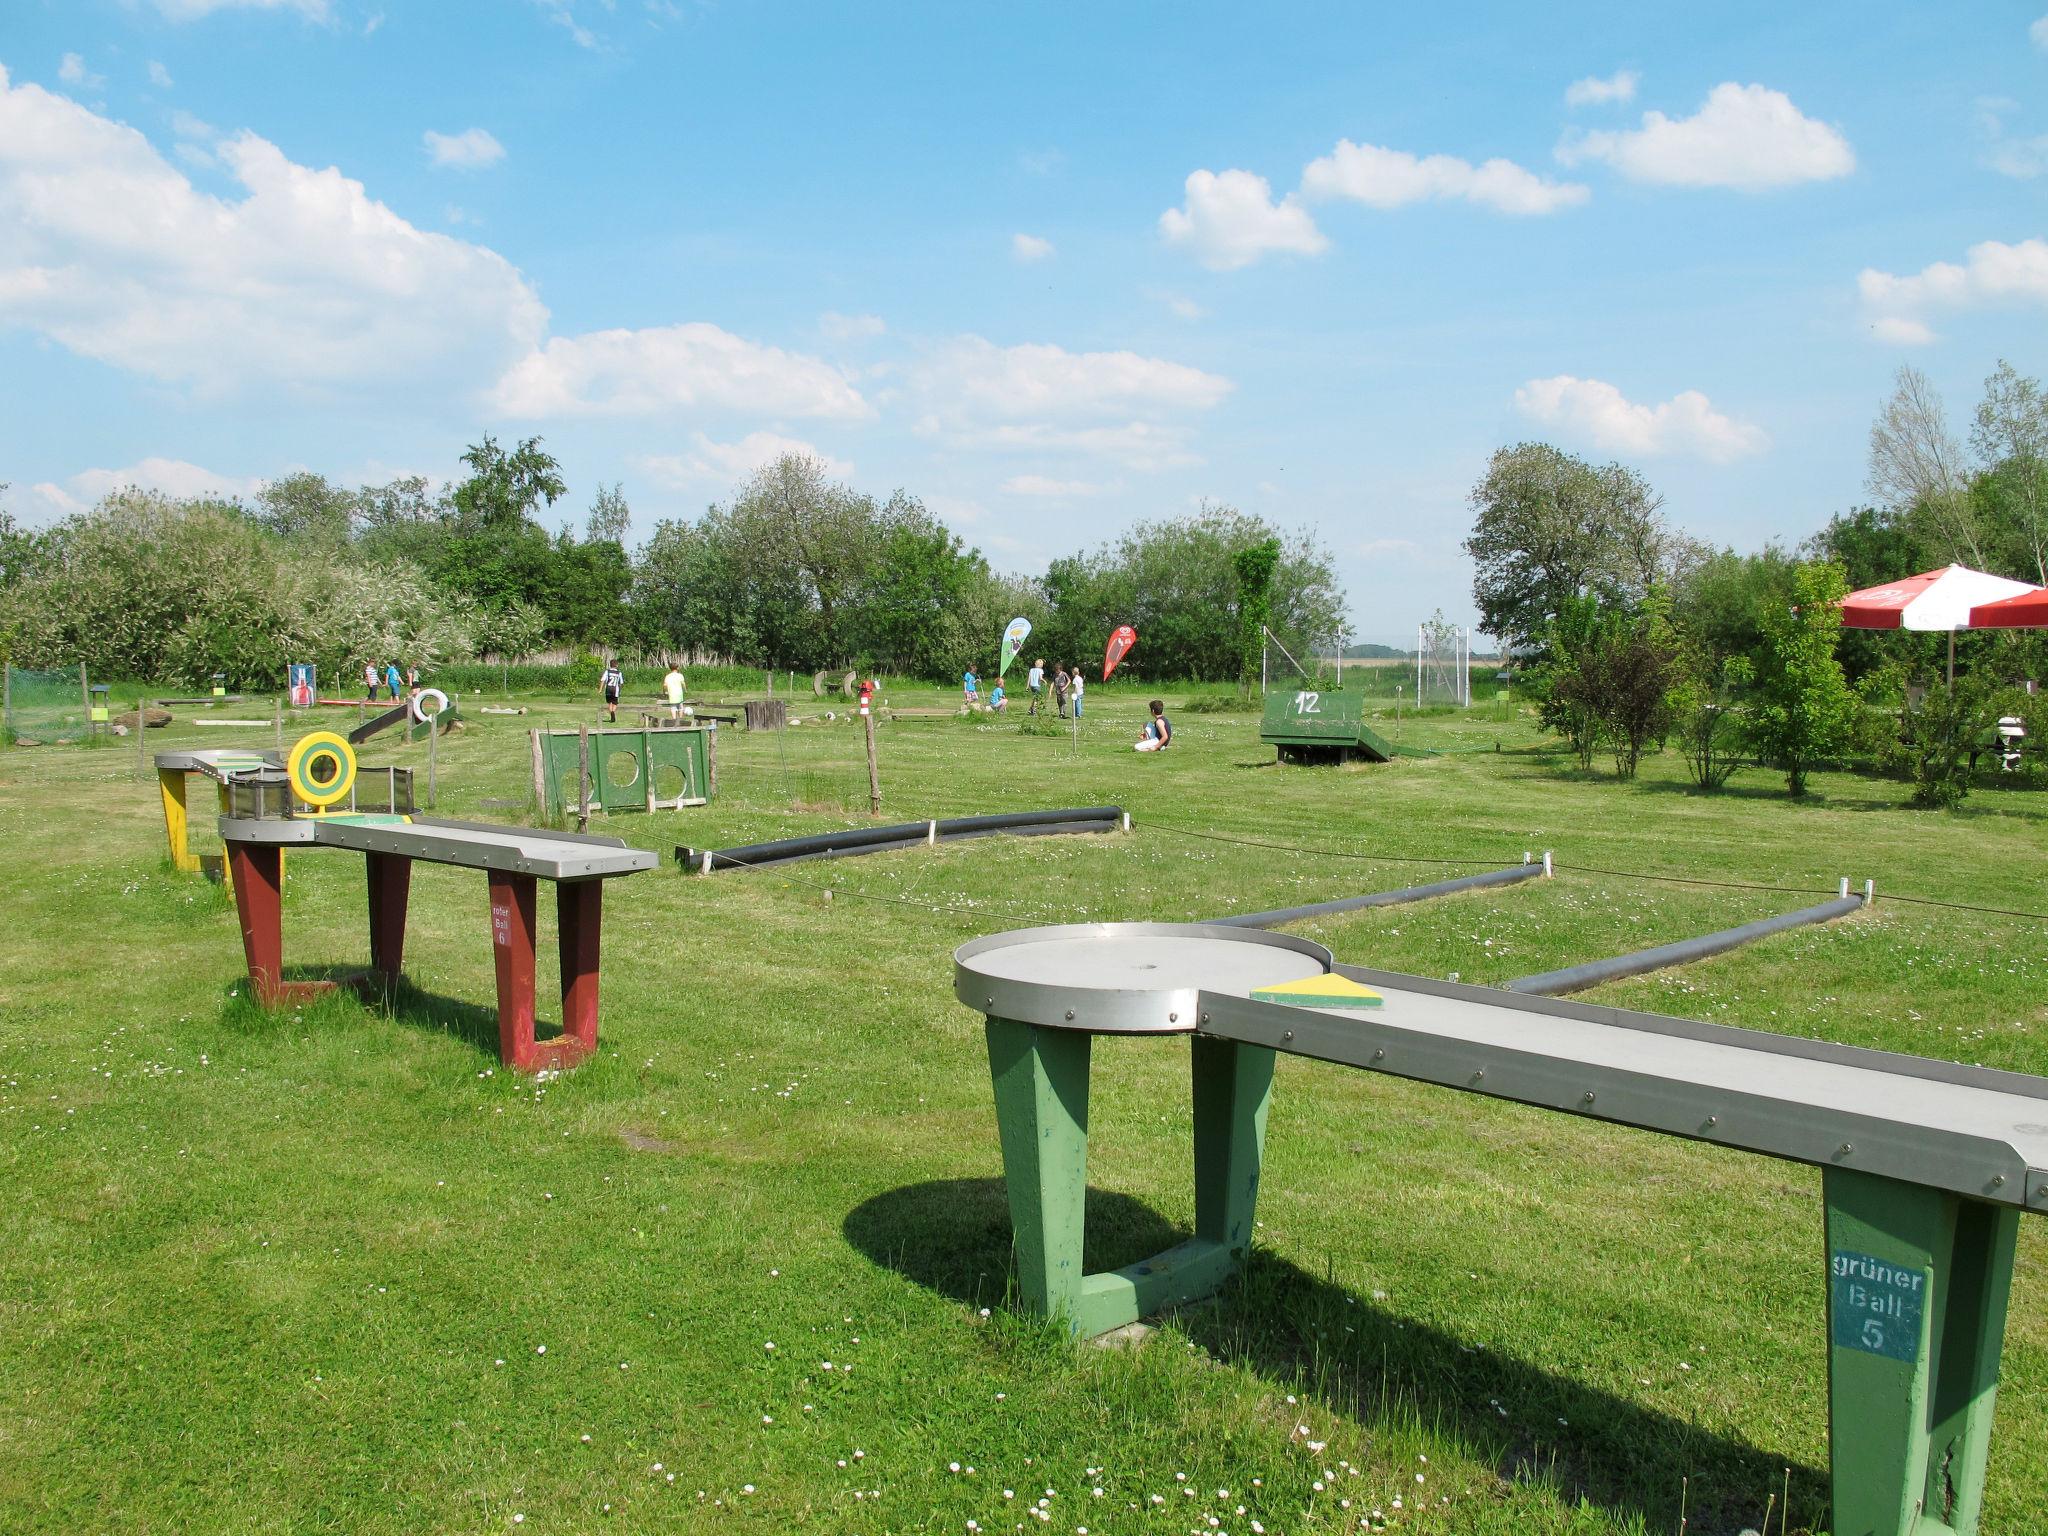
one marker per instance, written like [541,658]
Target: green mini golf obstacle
[1325,725]
[654,768]
[1926,1166]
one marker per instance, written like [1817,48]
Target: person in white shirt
[1075,689]
[613,683]
[1034,680]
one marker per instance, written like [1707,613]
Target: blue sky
[1053,269]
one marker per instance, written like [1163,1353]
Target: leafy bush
[1940,737]
[1702,713]
[1803,712]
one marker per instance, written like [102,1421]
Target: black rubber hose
[1576,978]
[1380,898]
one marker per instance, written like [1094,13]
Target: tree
[2010,439]
[505,491]
[790,519]
[1548,527]
[305,508]
[1254,566]
[1803,710]
[1917,468]
[923,574]
[610,517]
[1563,681]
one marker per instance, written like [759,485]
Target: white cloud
[2020,158]
[470,150]
[174,477]
[2039,33]
[1594,91]
[711,463]
[1044,400]
[1992,273]
[159,76]
[1391,178]
[1181,305]
[563,14]
[193,10]
[958,510]
[695,366]
[304,279]
[1030,248]
[72,71]
[1745,137]
[1039,380]
[1230,220]
[834,326]
[1600,414]
[1046,486]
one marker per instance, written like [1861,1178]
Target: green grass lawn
[336,1271]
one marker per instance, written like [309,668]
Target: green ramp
[1326,725]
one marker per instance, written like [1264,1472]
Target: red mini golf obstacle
[264,817]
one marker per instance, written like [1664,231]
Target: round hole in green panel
[669,783]
[622,770]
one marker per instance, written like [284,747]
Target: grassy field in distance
[334,1270]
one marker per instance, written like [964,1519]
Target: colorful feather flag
[1014,636]
[1120,644]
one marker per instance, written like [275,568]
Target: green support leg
[1041,1091]
[1917,1288]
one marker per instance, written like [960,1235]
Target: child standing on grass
[370,680]
[1034,680]
[613,682]
[672,686]
[1076,688]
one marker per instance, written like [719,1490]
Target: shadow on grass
[357,991]
[1299,1330]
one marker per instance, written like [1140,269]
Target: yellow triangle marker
[1324,990]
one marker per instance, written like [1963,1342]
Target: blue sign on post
[1875,1306]
[302,690]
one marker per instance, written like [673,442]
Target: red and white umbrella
[1935,600]
[2029,610]
[1947,599]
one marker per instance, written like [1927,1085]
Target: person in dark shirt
[1158,730]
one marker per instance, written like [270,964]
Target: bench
[1926,1166]
[514,860]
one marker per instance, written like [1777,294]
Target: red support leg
[579,913]
[390,880]
[254,869]
[257,870]
[512,947]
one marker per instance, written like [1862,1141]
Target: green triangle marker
[1326,989]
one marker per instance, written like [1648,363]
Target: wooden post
[433,777]
[6,702]
[874,774]
[540,773]
[710,729]
[647,763]
[141,742]
[85,695]
[277,723]
[582,778]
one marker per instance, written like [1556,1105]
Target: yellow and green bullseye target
[322,768]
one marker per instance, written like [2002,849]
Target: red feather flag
[1120,644]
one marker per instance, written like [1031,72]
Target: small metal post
[141,748]
[1547,871]
[931,834]
[433,777]
[540,773]
[874,772]
[582,778]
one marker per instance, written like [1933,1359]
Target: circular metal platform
[1124,978]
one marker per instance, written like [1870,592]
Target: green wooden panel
[1917,1286]
[622,762]
[1325,719]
